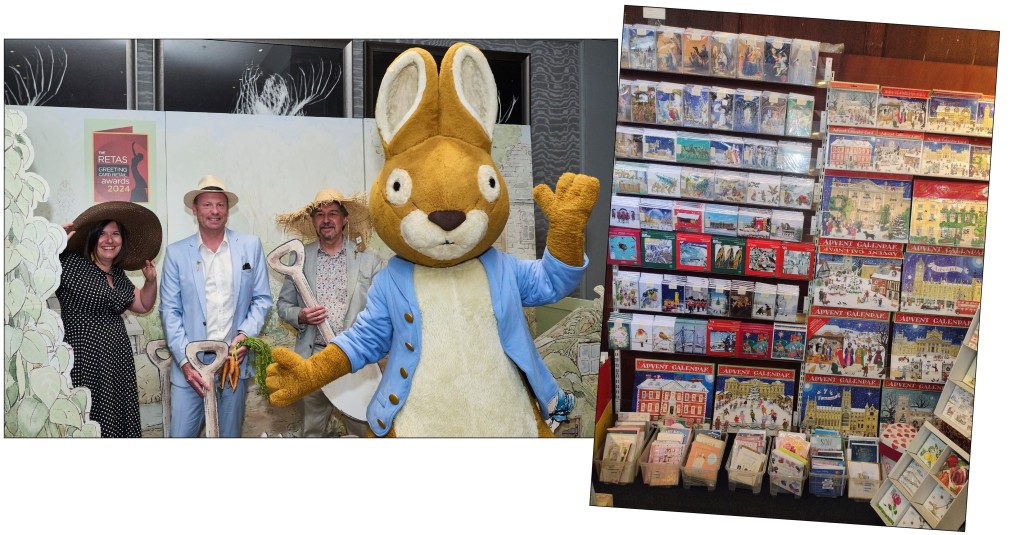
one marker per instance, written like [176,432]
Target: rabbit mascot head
[440,199]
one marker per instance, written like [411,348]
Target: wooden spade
[208,373]
[163,366]
[351,393]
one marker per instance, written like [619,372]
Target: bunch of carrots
[261,358]
[230,370]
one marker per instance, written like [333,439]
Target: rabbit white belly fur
[465,385]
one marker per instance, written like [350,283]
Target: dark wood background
[901,55]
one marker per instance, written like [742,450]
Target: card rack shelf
[954,409]
[811,173]
[624,359]
[974,140]
[877,69]
[959,388]
[896,499]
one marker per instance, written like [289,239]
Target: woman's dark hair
[94,237]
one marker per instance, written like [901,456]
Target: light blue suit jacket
[391,324]
[183,295]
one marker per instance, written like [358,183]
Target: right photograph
[795,266]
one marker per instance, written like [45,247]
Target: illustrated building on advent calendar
[851,153]
[868,199]
[915,416]
[938,220]
[884,281]
[852,107]
[986,119]
[932,344]
[940,290]
[844,418]
[662,397]
[774,391]
[954,115]
[947,154]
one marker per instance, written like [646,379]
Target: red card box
[722,337]
[763,257]
[793,259]
[693,252]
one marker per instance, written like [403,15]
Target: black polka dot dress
[94,328]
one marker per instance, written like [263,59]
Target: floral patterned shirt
[332,289]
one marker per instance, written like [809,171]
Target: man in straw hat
[215,287]
[338,268]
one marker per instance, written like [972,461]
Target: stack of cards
[748,459]
[789,463]
[863,465]
[828,464]
[704,459]
[665,455]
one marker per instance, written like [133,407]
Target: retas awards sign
[120,165]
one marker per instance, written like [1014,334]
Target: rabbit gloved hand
[291,377]
[568,209]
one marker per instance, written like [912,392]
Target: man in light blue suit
[215,287]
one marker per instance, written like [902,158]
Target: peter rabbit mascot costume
[448,307]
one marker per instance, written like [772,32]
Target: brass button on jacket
[408,317]
[405,374]
[380,422]
[407,344]
[393,399]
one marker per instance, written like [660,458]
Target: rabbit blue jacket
[391,324]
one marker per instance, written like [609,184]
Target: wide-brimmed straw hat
[145,233]
[207,184]
[359,227]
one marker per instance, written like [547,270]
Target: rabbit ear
[407,107]
[469,97]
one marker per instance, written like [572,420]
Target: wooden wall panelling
[916,74]
[874,42]
[944,45]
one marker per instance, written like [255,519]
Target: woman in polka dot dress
[94,291]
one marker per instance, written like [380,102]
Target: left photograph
[305,238]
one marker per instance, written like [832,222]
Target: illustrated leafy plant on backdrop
[38,397]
